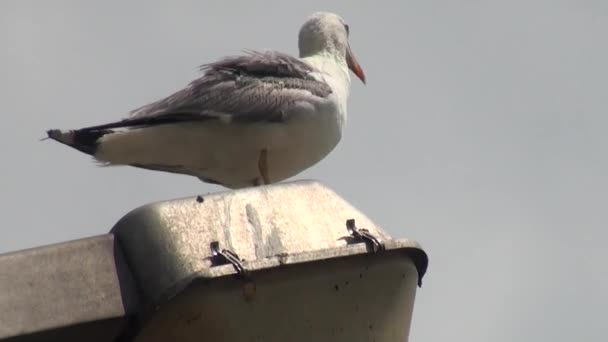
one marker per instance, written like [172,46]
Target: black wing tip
[55,134]
[64,137]
[84,140]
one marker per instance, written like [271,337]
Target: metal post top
[278,238]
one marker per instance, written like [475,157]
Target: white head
[326,32]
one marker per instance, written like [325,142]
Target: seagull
[249,120]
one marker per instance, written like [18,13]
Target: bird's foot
[263,168]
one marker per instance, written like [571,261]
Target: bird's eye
[347,29]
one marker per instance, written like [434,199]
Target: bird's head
[327,32]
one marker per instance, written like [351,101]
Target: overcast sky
[481,134]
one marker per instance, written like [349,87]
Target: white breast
[305,142]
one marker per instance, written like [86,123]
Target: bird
[250,119]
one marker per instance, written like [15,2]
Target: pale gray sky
[481,134]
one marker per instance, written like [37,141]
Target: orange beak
[353,65]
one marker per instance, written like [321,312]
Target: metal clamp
[363,235]
[228,256]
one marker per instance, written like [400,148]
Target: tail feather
[84,140]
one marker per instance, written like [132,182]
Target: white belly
[227,153]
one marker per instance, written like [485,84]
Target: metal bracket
[228,256]
[363,235]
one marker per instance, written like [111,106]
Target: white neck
[333,71]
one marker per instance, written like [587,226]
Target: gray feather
[256,87]
[259,86]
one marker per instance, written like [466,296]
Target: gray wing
[256,87]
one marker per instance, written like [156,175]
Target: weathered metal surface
[361,298]
[168,242]
[301,274]
[283,267]
[77,290]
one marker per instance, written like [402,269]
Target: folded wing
[256,87]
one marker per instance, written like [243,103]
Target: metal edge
[124,282]
[299,182]
[410,249]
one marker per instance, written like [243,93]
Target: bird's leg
[263,167]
